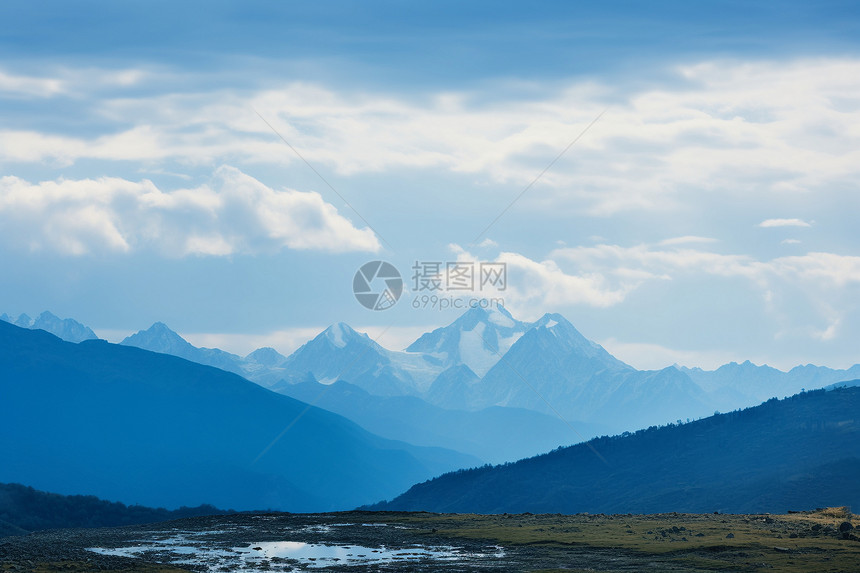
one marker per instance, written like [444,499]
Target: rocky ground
[823,540]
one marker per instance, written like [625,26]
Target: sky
[678,179]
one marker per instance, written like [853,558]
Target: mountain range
[344,421]
[140,427]
[68,329]
[492,373]
[799,452]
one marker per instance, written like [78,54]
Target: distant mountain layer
[141,427]
[68,329]
[798,453]
[737,384]
[486,359]
[24,509]
[262,366]
[494,434]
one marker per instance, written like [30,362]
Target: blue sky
[708,215]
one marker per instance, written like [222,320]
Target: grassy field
[803,541]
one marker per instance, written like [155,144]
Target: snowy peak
[67,329]
[498,316]
[159,338]
[340,334]
[477,339]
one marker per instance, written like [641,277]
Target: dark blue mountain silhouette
[24,509]
[145,428]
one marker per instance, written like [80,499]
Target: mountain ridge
[799,452]
[67,329]
[546,366]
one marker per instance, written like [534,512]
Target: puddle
[287,555]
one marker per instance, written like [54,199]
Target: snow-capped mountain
[477,340]
[67,329]
[551,367]
[550,361]
[341,353]
[487,358]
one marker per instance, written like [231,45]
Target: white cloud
[765,128]
[74,82]
[790,241]
[536,285]
[686,239]
[543,284]
[605,275]
[236,214]
[30,86]
[837,270]
[829,268]
[767,223]
[828,333]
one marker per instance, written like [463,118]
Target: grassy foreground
[801,541]
[822,541]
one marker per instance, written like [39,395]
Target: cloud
[790,241]
[604,275]
[765,128]
[30,86]
[767,223]
[236,214]
[686,239]
[534,285]
[834,269]
[543,284]
[828,333]
[829,268]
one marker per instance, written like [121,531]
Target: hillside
[800,452]
[145,428]
[24,509]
